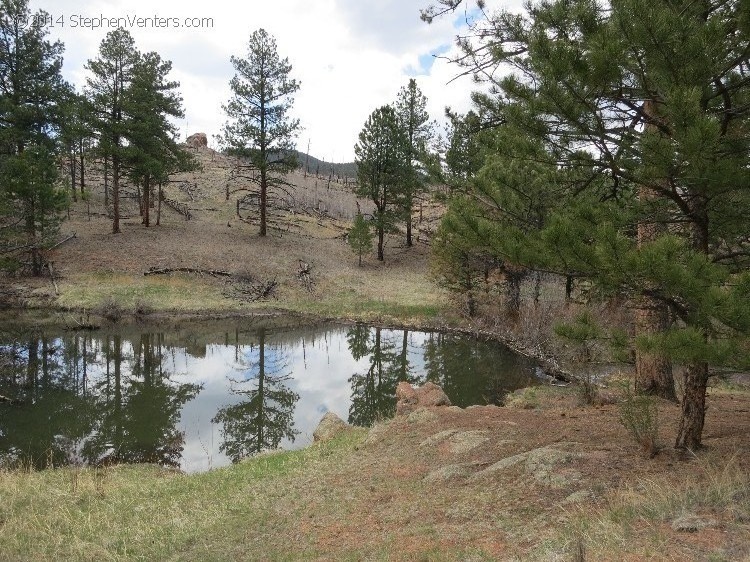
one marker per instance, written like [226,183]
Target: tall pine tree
[149,103]
[31,94]
[643,105]
[259,127]
[111,74]
[383,171]
[411,108]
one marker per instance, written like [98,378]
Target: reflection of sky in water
[317,361]
[319,375]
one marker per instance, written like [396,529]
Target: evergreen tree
[382,171]
[111,74]
[643,108]
[31,95]
[360,237]
[152,152]
[463,157]
[259,127]
[411,109]
[497,208]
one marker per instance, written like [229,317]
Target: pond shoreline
[549,364]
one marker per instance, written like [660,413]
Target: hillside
[308,221]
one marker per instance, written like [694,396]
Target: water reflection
[204,396]
[265,416]
[373,390]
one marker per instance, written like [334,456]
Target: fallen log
[254,292]
[179,208]
[61,242]
[197,271]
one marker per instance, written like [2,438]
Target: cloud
[351,57]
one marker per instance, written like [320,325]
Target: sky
[350,56]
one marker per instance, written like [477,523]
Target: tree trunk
[537,288]
[693,407]
[158,207]
[106,182]
[513,293]
[263,201]
[408,226]
[653,371]
[73,186]
[381,236]
[696,375]
[146,200]
[115,195]
[81,163]
[568,289]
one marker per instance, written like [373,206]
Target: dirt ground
[557,482]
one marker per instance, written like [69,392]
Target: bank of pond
[204,394]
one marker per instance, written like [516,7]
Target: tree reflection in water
[266,415]
[118,396]
[60,417]
[373,392]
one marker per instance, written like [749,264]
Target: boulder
[422,415]
[452,471]
[409,399]
[198,140]
[329,427]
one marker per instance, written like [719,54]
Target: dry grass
[98,267]
[408,491]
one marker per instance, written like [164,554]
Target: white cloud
[350,56]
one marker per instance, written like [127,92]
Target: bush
[640,416]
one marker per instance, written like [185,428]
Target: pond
[203,395]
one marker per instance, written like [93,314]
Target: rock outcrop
[329,427]
[410,399]
[198,140]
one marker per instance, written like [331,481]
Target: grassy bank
[410,489]
[145,512]
[397,301]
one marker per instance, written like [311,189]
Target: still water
[205,395]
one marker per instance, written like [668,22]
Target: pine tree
[463,156]
[643,106]
[31,94]
[360,237]
[259,127]
[382,170]
[152,152]
[111,74]
[411,109]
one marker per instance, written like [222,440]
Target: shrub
[639,414]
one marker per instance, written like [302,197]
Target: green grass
[367,309]
[147,513]
[157,293]
[102,292]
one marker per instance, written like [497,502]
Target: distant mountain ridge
[323,168]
